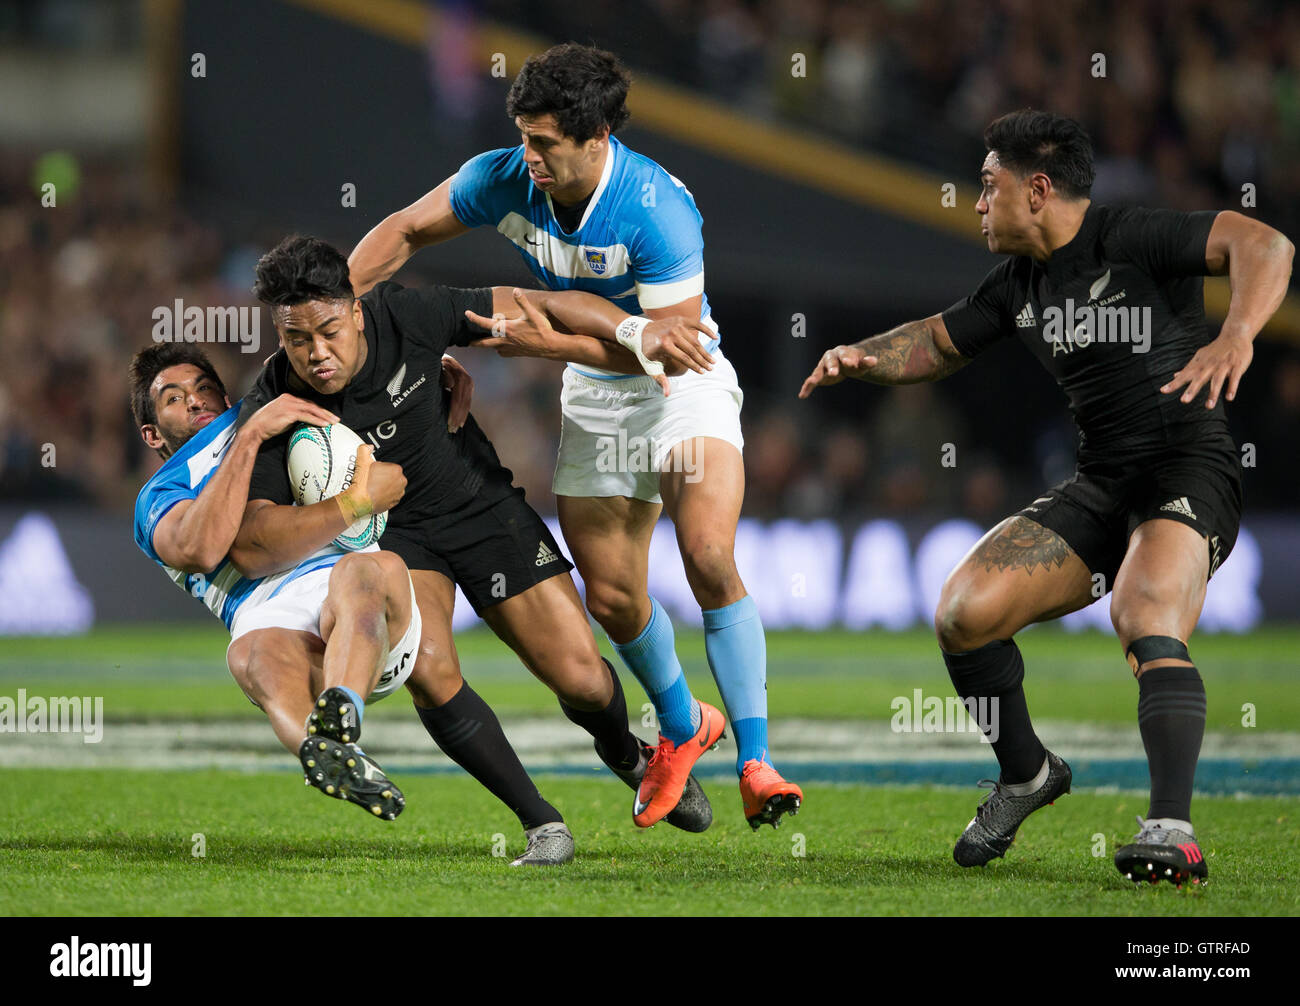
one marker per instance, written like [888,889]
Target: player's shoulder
[493,167]
[1014,271]
[650,209]
[1122,230]
[380,293]
[644,186]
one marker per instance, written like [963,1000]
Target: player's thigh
[1160,588]
[436,677]
[703,487]
[275,667]
[609,538]
[1017,574]
[546,625]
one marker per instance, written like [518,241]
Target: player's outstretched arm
[195,535]
[273,537]
[525,324]
[913,352]
[400,235]
[1257,261]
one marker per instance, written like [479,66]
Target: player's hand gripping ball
[322,464]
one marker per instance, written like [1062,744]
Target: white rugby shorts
[615,435]
[297,605]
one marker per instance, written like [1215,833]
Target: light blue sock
[652,659]
[356,701]
[737,650]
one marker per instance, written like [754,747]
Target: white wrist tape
[628,335]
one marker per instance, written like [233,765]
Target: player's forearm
[380,254]
[204,533]
[585,313]
[591,352]
[1259,272]
[908,354]
[273,538]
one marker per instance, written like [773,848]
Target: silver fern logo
[394,387]
[1099,287]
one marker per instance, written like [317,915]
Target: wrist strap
[353,510]
[628,335]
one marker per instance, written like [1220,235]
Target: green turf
[276,847]
[180,673]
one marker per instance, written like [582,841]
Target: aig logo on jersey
[596,261]
[394,387]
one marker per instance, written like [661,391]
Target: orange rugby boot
[670,767]
[766,795]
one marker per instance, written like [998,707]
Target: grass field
[119,839]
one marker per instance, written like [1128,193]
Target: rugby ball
[322,461]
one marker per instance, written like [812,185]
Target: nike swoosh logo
[530,241]
[637,806]
[705,729]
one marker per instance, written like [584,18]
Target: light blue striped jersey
[638,244]
[223,590]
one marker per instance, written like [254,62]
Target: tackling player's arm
[195,535]
[913,352]
[526,323]
[273,537]
[400,235]
[1257,261]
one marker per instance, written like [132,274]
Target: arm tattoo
[907,355]
[1022,544]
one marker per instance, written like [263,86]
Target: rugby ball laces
[322,462]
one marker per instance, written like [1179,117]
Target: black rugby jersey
[397,404]
[1112,315]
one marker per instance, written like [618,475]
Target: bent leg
[1017,574]
[274,668]
[548,629]
[457,719]
[610,541]
[703,486]
[368,606]
[1158,597]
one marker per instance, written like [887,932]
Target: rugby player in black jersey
[1110,302]
[375,362]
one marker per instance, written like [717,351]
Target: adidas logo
[1025,319]
[1181,506]
[545,555]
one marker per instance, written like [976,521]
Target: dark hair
[1029,141]
[585,88]
[300,269]
[151,361]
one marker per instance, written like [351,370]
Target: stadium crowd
[1206,96]
[1208,100]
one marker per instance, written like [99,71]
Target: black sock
[614,741]
[1171,717]
[470,735]
[996,672]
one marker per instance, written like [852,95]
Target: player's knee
[612,605]
[264,672]
[710,564]
[435,679]
[966,619]
[586,684]
[359,571]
